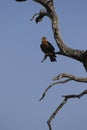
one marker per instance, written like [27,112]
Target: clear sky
[23,77]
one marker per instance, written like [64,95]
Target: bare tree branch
[51,85]
[61,76]
[66,98]
[71,77]
[34,16]
[55,112]
[41,14]
[79,55]
[75,96]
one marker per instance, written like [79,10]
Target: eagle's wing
[51,46]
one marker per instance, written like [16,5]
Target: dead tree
[79,55]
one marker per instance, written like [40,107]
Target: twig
[51,85]
[34,16]
[40,16]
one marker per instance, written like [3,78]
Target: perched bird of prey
[48,49]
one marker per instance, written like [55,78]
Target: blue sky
[23,77]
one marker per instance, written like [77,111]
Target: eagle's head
[44,39]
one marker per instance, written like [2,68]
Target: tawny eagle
[48,49]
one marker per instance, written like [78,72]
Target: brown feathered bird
[48,49]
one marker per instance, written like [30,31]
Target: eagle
[48,49]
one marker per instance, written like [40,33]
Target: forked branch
[66,98]
[49,11]
[68,77]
